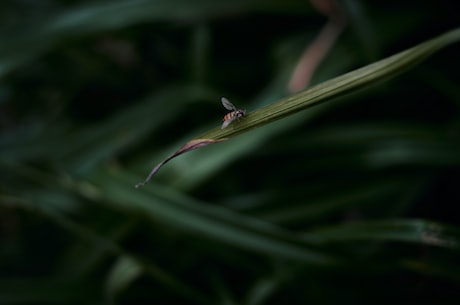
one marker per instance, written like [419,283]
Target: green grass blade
[347,83]
[175,210]
[402,230]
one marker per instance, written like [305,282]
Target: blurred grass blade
[81,150]
[128,267]
[124,271]
[411,230]
[19,47]
[341,199]
[179,211]
[347,83]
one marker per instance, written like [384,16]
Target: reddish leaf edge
[189,146]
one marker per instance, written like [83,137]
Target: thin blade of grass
[417,231]
[179,211]
[347,83]
[327,91]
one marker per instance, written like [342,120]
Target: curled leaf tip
[190,145]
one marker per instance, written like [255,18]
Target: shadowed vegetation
[346,192]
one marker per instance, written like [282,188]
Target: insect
[231,116]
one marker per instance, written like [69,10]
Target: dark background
[355,201]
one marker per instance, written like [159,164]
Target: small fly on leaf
[231,116]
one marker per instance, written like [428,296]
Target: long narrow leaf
[402,230]
[210,222]
[347,83]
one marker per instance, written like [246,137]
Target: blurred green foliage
[354,201]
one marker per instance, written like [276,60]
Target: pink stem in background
[317,50]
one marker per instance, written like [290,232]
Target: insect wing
[228,121]
[227,104]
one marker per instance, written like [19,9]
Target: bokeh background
[354,201]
